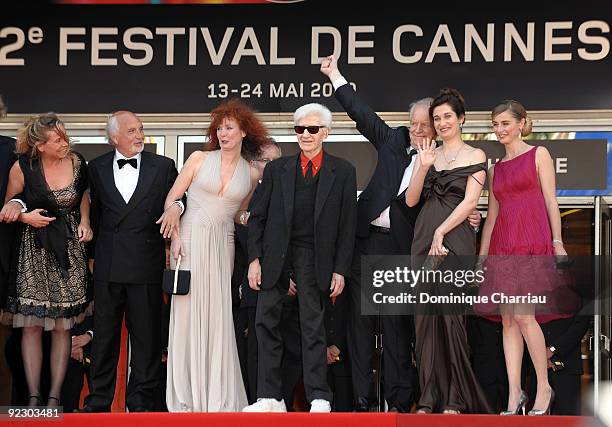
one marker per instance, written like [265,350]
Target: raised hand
[329,67]
[427,152]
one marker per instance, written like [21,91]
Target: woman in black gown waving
[449,179]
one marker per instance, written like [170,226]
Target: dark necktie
[131,162]
[308,176]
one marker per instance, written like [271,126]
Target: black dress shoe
[362,404]
[396,407]
[139,409]
[91,409]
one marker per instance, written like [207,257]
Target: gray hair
[424,102]
[3,108]
[112,127]
[320,110]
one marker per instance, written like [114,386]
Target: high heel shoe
[34,400]
[547,410]
[53,398]
[520,407]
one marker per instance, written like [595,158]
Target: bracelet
[244,217]
[557,241]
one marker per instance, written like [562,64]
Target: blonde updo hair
[517,111]
[36,131]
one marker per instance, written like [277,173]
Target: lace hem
[23,315]
[18,320]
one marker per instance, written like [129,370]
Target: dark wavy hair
[451,97]
[245,116]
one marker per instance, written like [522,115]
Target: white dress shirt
[383,219]
[126,178]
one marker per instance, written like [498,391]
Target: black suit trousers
[400,382]
[291,365]
[73,384]
[141,304]
[311,313]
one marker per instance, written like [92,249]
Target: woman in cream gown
[203,373]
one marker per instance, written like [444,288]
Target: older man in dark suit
[385,226]
[302,221]
[128,191]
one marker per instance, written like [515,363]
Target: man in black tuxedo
[128,191]
[385,226]
[9,212]
[302,221]
[563,346]
[78,365]
[338,363]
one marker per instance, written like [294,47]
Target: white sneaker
[267,405]
[320,405]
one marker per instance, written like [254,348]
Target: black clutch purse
[176,281]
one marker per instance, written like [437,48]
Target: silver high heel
[520,407]
[548,408]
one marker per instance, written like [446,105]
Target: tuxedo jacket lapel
[146,176]
[108,179]
[288,180]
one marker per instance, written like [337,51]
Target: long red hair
[245,116]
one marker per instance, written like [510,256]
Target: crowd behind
[274,245]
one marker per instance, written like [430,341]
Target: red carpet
[301,420]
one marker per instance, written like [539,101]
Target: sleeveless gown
[521,257]
[203,368]
[446,378]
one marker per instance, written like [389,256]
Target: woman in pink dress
[521,236]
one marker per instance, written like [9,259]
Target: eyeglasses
[263,160]
[313,130]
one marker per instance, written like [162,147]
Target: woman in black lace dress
[51,274]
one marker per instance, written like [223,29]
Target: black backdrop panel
[86,59]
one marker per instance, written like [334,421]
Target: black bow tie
[131,162]
[411,154]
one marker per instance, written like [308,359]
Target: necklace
[520,151]
[454,157]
